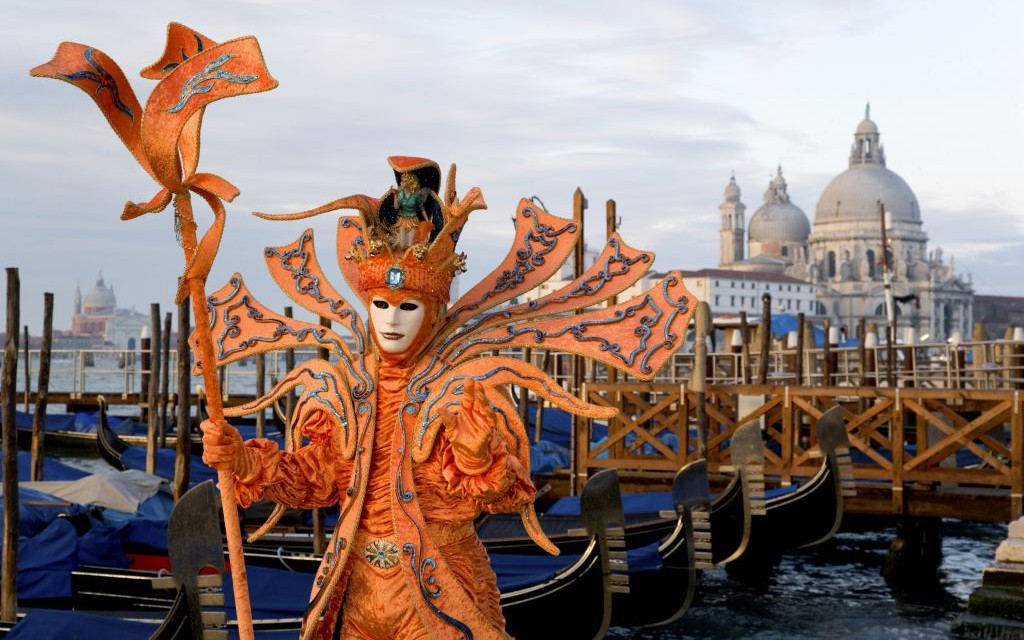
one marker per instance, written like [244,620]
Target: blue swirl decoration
[277,329]
[203,81]
[307,284]
[430,590]
[103,80]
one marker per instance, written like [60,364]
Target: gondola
[664,547]
[803,515]
[79,431]
[121,455]
[532,605]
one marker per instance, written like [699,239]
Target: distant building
[997,314]
[842,255]
[730,292]
[96,320]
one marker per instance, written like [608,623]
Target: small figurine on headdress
[410,428]
[412,210]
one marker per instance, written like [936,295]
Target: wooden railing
[967,441]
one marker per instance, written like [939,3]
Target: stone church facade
[842,253]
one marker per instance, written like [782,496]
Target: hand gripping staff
[164,137]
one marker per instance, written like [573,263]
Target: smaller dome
[99,299]
[778,219]
[732,191]
[867,126]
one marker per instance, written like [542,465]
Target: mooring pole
[579,441]
[766,337]
[183,450]
[152,395]
[28,371]
[289,399]
[38,420]
[800,351]
[890,303]
[261,390]
[8,393]
[165,378]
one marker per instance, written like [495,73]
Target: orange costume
[408,426]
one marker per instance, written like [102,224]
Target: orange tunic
[380,590]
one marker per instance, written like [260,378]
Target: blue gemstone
[395,277]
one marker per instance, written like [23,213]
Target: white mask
[396,325]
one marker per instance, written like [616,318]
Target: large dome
[99,299]
[778,218]
[855,193]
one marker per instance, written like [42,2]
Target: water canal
[837,591]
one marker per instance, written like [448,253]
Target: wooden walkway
[917,452]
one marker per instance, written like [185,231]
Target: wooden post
[578,467]
[165,375]
[614,397]
[698,378]
[744,348]
[524,393]
[870,340]
[766,337]
[28,372]
[8,392]
[289,399]
[862,354]
[183,450]
[152,392]
[826,363]
[261,390]
[909,363]
[800,351]
[145,353]
[38,420]
[538,415]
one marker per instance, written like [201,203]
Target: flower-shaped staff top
[164,136]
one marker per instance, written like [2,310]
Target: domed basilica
[96,318]
[842,253]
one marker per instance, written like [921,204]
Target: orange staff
[164,137]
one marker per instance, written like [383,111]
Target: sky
[653,104]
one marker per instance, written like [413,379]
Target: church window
[831,264]
[871,263]
[785,251]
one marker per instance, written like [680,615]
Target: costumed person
[410,427]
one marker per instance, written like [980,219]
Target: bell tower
[732,232]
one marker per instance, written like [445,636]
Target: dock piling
[42,397]
[8,393]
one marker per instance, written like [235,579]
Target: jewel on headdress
[410,234]
[395,277]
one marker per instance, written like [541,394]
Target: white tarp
[121,491]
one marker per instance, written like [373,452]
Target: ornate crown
[407,237]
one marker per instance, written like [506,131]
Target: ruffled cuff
[498,483]
[260,464]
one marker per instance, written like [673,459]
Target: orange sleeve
[303,479]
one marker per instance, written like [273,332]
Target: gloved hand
[469,427]
[223,448]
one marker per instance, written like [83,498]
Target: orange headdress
[389,247]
